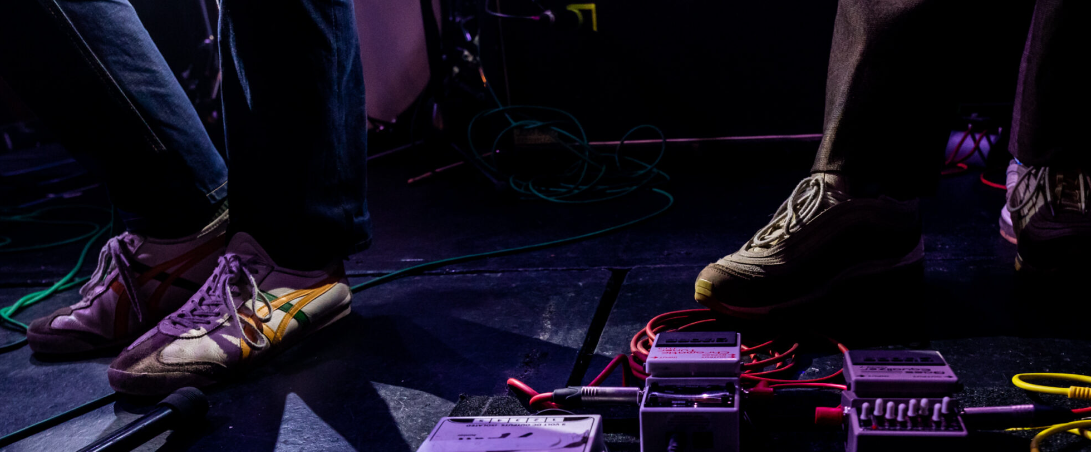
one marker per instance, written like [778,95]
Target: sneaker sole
[60,345]
[1007,231]
[1004,233]
[703,288]
[154,384]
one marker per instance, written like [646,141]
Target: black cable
[39,427]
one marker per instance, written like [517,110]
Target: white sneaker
[248,309]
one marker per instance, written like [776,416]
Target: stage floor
[419,348]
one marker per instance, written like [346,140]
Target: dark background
[699,68]
[694,68]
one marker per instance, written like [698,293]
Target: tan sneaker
[818,237]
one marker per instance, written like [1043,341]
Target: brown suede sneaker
[818,237]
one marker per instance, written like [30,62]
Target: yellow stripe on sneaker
[279,301]
[275,336]
[314,293]
[264,330]
[269,333]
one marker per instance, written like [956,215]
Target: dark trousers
[293,94]
[294,113]
[889,92]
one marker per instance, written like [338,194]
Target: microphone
[186,404]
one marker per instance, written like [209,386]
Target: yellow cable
[1073,392]
[1073,427]
[1075,431]
[1023,429]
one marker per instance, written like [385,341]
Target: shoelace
[1040,179]
[218,293]
[114,255]
[805,202]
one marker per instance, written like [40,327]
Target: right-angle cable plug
[577,396]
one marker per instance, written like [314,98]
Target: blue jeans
[293,98]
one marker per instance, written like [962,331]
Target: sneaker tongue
[131,242]
[834,182]
[251,255]
[248,249]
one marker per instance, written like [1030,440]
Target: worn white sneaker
[138,281]
[248,309]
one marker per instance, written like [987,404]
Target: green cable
[595,190]
[67,282]
[460,259]
[93,231]
[586,155]
[32,219]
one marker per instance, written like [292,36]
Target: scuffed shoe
[1051,218]
[248,310]
[817,238]
[137,282]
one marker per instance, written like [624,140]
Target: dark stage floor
[422,347]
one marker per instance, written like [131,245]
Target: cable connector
[761,392]
[1079,393]
[1001,417]
[828,417]
[578,396]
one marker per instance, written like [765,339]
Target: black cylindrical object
[183,405]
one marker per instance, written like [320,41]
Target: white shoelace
[219,293]
[805,202]
[114,255]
